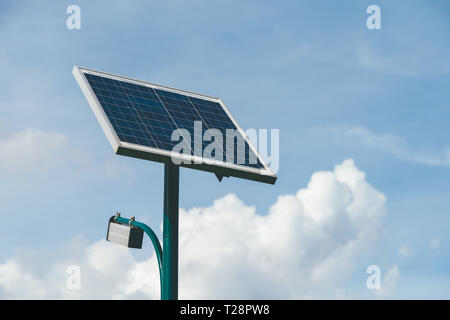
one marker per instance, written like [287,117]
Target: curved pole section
[152,237]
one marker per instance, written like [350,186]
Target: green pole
[170,232]
[151,235]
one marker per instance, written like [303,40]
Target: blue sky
[311,69]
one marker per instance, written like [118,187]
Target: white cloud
[435,243]
[30,151]
[404,57]
[12,278]
[389,283]
[390,143]
[306,246]
[405,251]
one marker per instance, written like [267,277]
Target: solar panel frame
[160,155]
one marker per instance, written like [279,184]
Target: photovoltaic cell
[215,117]
[142,115]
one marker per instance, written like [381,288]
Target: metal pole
[170,232]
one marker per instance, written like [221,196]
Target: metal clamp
[130,221]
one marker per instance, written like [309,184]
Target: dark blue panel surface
[185,116]
[147,116]
[215,116]
[120,111]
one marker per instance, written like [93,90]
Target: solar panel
[139,118]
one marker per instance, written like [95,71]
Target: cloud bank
[306,246]
[28,151]
[389,143]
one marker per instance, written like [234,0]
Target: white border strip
[97,109]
